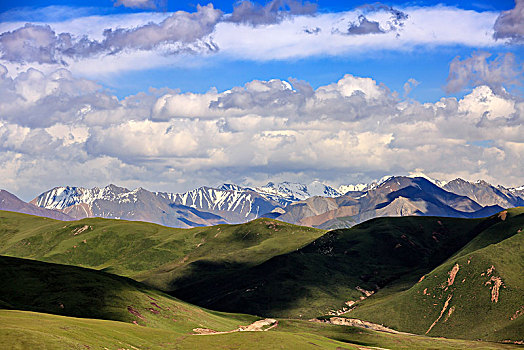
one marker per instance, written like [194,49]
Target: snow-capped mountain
[343,189]
[63,197]
[229,202]
[391,196]
[315,204]
[295,191]
[120,203]
[232,202]
[191,208]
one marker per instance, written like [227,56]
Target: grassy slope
[475,314]
[391,252]
[368,338]
[79,292]
[324,274]
[38,286]
[29,330]
[144,251]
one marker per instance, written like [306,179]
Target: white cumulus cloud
[56,129]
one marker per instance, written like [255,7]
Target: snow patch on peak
[296,191]
[343,189]
[317,188]
[384,179]
[516,189]
[63,197]
[231,187]
[435,182]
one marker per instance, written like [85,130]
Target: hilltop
[146,251]
[482,281]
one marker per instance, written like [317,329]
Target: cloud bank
[497,73]
[141,4]
[275,11]
[282,29]
[39,43]
[56,129]
[510,24]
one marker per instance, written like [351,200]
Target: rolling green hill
[269,268]
[105,307]
[341,266]
[30,330]
[144,251]
[73,291]
[478,293]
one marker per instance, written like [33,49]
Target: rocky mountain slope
[315,204]
[235,204]
[395,196]
[120,203]
[200,207]
[486,194]
[10,202]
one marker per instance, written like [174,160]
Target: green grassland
[265,268]
[484,299]
[144,251]
[73,291]
[30,330]
[370,339]
[118,313]
[326,273]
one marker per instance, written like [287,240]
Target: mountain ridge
[10,202]
[316,204]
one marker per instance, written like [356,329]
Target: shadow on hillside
[326,272]
[64,290]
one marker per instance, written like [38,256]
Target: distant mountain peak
[10,202]
[230,187]
[235,204]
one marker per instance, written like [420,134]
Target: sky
[173,95]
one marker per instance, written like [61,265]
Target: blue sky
[390,67]
[102,6]
[141,95]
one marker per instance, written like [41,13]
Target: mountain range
[316,204]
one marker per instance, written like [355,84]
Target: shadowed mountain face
[80,292]
[397,196]
[333,269]
[10,202]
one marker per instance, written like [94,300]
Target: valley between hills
[411,282]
